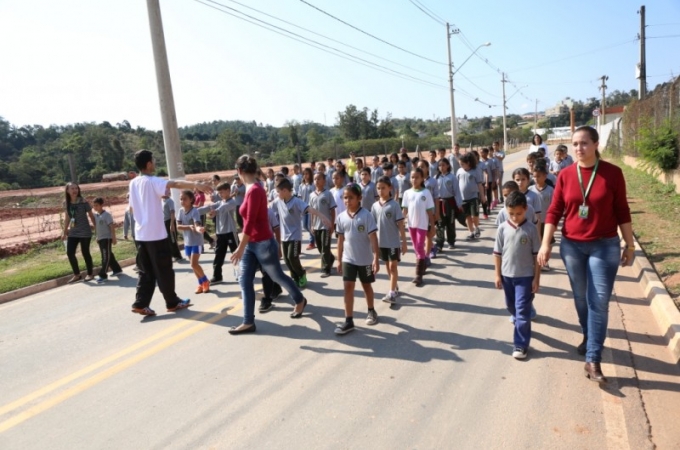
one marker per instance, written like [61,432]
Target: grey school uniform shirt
[448,187]
[431,185]
[503,215]
[290,217]
[545,195]
[103,228]
[467,182]
[356,228]
[224,219]
[191,238]
[376,173]
[369,195]
[324,203]
[387,217]
[534,200]
[517,246]
[168,208]
[403,184]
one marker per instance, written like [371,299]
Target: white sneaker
[390,297]
[519,353]
[372,317]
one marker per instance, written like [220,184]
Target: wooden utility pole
[642,93]
[571,119]
[449,32]
[603,113]
[536,117]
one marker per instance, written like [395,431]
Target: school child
[394,160]
[431,185]
[296,178]
[357,173]
[499,155]
[560,162]
[330,167]
[189,223]
[271,290]
[418,208]
[406,160]
[449,202]
[545,193]
[369,193]
[388,170]
[339,168]
[486,165]
[129,221]
[304,191]
[322,200]
[492,197]
[270,182]
[358,253]
[338,190]
[106,237]
[376,171]
[470,186]
[452,157]
[273,195]
[517,272]
[391,235]
[239,196]
[433,164]
[225,228]
[169,217]
[290,210]
[403,180]
[521,177]
[507,188]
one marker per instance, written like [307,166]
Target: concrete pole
[571,120]
[505,127]
[642,93]
[453,105]
[536,117]
[173,152]
[603,113]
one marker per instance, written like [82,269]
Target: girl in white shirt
[418,207]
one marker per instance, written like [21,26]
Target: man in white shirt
[151,238]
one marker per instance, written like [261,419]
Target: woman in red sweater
[591,196]
[258,248]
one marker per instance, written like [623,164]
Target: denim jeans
[592,268]
[518,299]
[263,254]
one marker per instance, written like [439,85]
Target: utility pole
[449,32]
[536,117]
[173,152]
[603,113]
[505,128]
[642,92]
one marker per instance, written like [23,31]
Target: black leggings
[71,246]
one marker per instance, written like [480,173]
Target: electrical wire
[664,37]
[423,9]
[371,35]
[326,37]
[317,44]
[430,11]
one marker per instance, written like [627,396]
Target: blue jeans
[518,299]
[307,225]
[263,254]
[592,268]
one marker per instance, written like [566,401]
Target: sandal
[182,304]
[297,315]
[75,279]
[144,311]
[89,278]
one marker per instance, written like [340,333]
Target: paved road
[78,370]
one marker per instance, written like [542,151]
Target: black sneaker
[276,294]
[265,305]
[344,328]
[372,317]
[214,280]
[325,274]
[471,237]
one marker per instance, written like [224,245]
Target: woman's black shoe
[235,330]
[297,315]
[594,372]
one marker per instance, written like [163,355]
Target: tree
[350,123]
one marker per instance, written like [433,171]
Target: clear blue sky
[81,60]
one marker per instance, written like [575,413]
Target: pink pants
[418,237]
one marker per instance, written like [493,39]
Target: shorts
[350,272]
[192,250]
[471,207]
[390,254]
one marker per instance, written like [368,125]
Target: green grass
[47,262]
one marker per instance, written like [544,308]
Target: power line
[318,45]
[326,37]
[440,22]
[370,35]
[430,11]
[663,37]
[663,24]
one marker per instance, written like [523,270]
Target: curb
[663,308]
[51,284]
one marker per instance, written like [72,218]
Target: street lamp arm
[471,55]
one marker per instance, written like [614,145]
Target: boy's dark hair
[98,200]
[401,163]
[385,180]
[142,158]
[404,157]
[388,166]
[433,152]
[284,170]
[415,160]
[541,166]
[223,186]
[367,170]
[485,150]
[247,164]
[470,160]
[279,175]
[189,193]
[515,198]
[216,177]
[384,160]
[521,171]
[561,148]
[510,186]
[284,184]
[534,155]
[441,149]
[354,189]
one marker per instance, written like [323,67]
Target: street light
[451,74]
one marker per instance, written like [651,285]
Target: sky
[91,61]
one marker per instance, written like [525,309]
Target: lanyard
[590,183]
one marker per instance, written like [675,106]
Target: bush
[659,146]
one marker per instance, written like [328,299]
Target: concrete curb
[47,285]
[663,308]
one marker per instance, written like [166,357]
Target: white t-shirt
[418,203]
[145,199]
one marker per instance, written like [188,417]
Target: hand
[173,230]
[64,235]
[534,286]
[114,241]
[204,187]
[339,267]
[499,283]
[199,230]
[376,266]
[326,221]
[543,255]
[237,255]
[403,248]
[212,213]
[431,232]
[627,257]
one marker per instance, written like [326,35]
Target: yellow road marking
[108,373]
[91,368]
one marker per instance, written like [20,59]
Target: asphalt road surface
[79,370]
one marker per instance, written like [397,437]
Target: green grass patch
[47,262]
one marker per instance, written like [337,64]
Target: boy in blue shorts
[517,272]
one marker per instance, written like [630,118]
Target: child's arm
[277,235]
[402,233]
[537,276]
[431,230]
[173,222]
[323,218]
[497,266]
[482,191]
[332,219]
[112,227]
[92,219]
[341,244]
[126,226]
[376,251]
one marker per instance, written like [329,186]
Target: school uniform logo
[388,215]
[290,211]
[524,240]
[324,201]
[422,198]
[361,228]
[449,184]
